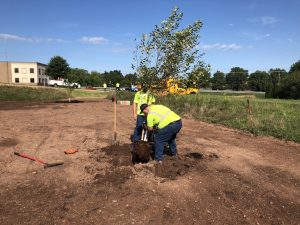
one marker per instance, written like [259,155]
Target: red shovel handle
[29,157]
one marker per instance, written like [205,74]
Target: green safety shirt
[143,98]
[105,85]
[117,85]
[161,115]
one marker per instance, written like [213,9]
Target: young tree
[168,51]
[218,81]
[57,67]
[258,81]
[237,78]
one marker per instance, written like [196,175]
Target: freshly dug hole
[141,152]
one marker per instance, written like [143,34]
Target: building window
[17,80]
[24,70]
[31,70]
[39,71]
[16,70]
[31,80]
[39,80]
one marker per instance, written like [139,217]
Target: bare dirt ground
[222,176]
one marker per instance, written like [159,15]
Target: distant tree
[290,86]
[258,81]
[57,67]
[95,79]
[295,67]
[237,78]
[80,76]
[276,77]
[218,81]
[129,79]
[199,77]
[112,77]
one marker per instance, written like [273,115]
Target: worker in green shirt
[141,97]
[118,86]
[168,125]
[104,86]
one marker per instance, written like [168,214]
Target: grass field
[274,117]
[22,93]
[278,118]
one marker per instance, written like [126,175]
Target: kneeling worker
[168,125]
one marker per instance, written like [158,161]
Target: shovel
[46,165]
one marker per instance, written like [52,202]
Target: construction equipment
[46,165]
[173,86]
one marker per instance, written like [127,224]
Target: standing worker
[118,86]
[104,86]
[168,125]
[141,97]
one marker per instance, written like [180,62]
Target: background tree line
[277,83]
[59,68]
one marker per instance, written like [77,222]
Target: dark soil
[221,176]
[8,142]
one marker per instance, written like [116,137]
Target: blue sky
[99,35]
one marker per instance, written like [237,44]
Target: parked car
[63,83]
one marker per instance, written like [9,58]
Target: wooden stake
[115,118]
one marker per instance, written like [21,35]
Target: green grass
[270,117]
[278,118]
[81,93]
[21,93]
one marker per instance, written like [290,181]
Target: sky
[98,35]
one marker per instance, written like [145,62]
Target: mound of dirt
[174,166]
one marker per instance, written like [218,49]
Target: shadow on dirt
[8,142]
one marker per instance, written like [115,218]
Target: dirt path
[222,176]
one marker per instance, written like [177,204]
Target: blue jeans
[166,135]
[138,128]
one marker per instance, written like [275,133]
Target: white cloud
[219,46]
[121,50]
[93,40]
[290,40]
[252,6]
[231,24]
[12,37]
[256,36]
[265,20]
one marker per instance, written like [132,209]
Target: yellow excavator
[174,86]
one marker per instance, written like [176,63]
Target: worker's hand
[145,126]
[135,117]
